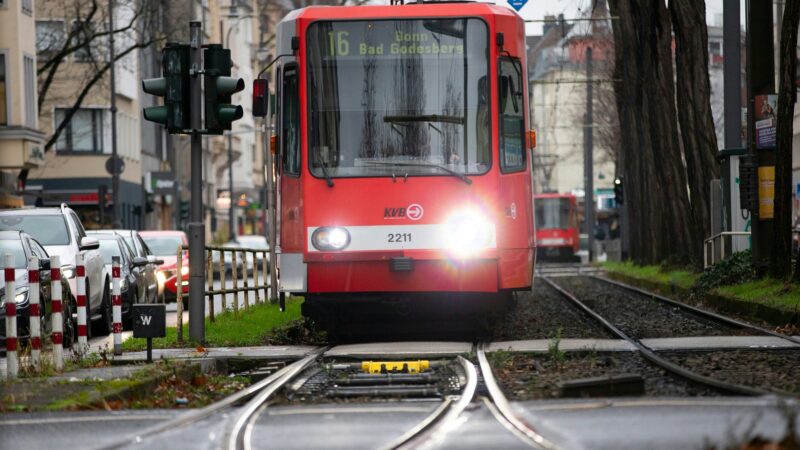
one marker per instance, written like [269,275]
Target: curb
[772,315]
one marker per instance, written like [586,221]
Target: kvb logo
[394,213]
[146,319]
[414,211]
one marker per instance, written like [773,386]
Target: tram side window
[290,122]
[512,121]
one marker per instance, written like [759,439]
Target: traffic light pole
[196,228]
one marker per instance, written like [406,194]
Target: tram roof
[410,10]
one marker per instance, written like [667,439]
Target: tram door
[516,224]
[291,221]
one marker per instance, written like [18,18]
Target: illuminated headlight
[161,277]
[330,238]
[468,232]
[68,272]
[185,270]
[20,298]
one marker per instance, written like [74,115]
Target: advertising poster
[766,123]
[766,192]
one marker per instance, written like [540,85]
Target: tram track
[653,357]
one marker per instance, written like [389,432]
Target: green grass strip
[768,291]
[682,278]
[230,329]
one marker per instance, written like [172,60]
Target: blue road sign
[517,4]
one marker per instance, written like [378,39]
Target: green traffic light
[155,86]
[229,85]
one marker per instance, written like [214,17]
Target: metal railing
[220,268]
[720,246]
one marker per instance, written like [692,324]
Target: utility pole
[231,216]
[114,167]
[588,159]
[732,73]
[760,81]
[196,228]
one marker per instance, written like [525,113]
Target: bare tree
[780,264]
[82,36]
[694,112]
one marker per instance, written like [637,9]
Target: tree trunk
[694,113]
[650,155]
[780,263]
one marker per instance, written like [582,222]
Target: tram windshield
[398,97]
[552,213]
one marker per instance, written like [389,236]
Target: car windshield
[398,97]
[163,245]
[552,213]
[47,229]
[108,249]
[14,247]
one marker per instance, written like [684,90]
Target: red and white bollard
[34,318]
[12,362]
[56,312]
[116,301]
[80,299]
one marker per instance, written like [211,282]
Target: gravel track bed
[541,313]
[531,377]
[641,317]
[765,369]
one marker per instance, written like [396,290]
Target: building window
[30,91]
[27,7]
[90,44]
[50,37]
[83,133]
[3,95]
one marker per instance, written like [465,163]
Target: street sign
[517,4]
[149,321]
[115,164]
[161,183]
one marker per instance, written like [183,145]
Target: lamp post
[231,215]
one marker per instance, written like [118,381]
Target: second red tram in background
[557,233]
[403,162]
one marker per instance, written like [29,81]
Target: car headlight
[330,238]
[185,270]
[20,298]
[468,232]
[161,277]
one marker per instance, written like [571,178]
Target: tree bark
[780,263]
[694,113]
[655,180]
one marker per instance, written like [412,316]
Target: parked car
[257,242]
[23,246]
[61,233]
[133,280]
[164,245]
[155,289]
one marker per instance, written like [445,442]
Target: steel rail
[250,411]
[194,416]
[701,312]
[443,416]
[651,356]
[507,413]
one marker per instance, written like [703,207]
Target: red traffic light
[260,97]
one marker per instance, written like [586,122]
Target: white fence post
[35,311]
[12,362]
[80,300]
[116,302]
[56,312]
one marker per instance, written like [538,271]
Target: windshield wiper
[455,173]
[424,118]
[325,173]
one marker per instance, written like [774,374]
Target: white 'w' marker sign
[146,319]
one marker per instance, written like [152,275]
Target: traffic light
[219,86]
[185,210]
[174,87]
[619,191]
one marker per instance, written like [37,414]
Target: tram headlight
[330,238]
[468,232]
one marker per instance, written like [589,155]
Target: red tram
[557,233]
[402,148]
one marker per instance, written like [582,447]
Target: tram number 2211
[398,237]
